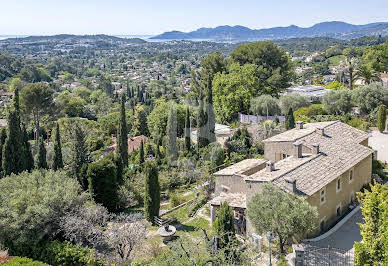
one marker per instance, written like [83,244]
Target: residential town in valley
[193,133]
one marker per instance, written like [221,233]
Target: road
[345,236]
[379,142]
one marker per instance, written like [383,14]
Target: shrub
[17,261]
[359,123]
[65,253]
[306,113]
[197,204]
[103,185]
[31,205]
[175,200]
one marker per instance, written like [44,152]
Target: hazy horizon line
[155,34]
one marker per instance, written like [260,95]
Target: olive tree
[338,102]
[265,105]
[292,101]
[285,215]
[32,204]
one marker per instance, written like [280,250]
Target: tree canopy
[372,249]
[274,67]
[291,218]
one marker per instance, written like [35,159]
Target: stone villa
[324,163]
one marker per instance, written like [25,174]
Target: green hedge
[59,253]
[16,261]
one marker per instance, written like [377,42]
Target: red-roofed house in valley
[133,144]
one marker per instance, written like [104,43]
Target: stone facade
[324,163]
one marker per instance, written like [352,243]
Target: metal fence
[329,256]
[255,119]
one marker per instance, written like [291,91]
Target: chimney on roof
[297,150]
[315,149]
[270,166]
[320,131]
[291,184]
[299,125]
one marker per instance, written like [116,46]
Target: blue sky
[46,17]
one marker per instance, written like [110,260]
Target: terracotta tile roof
[234,200]
[339,151]
[294,134]
[133,144]
[240,167]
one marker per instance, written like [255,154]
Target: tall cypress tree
[80,158]
[3,136]
[224,225]
[122,138]
[172,135]
[41,160]
[158,154]
[28,159]
[57,158]
[187,130]
[16,104]
[152,192]
[381,117]
[290,120]
[141,153]
[211,116]
[12,149]
[202,128]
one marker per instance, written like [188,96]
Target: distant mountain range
[335,29]
[76,38]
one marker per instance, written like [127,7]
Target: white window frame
[351,171]
[336,185]
[324,196]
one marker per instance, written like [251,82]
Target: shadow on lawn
[185,228]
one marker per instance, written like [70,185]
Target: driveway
[345,236]
[379,142]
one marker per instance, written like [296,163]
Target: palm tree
[367,74]
[350,65]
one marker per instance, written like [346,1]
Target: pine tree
[141,153]
[172,135]
[41,160]
[290,120]
[28,159]
[224,225]
[122,138]
[80,158]
[202,128]
[187,130]
[12,149]
[57,158]
[152,192]
[381,118]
